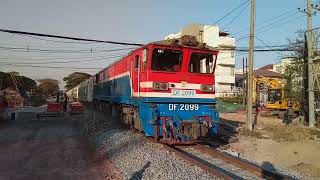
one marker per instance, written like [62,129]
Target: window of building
[201,63]
[136,61]
[166,60]
[231,70]
[232,53]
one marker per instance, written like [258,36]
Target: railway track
[240,169]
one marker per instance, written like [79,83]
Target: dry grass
[292,133]
[247,133]
[283,133]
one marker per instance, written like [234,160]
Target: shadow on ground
[138,175]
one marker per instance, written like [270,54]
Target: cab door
[140,73]
[135,69]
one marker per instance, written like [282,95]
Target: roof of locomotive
[177,43]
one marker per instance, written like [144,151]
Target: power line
[56,41]
[259,30]
[52,58]
[50,67]
[72,61]
[239,6]
[269,26]
[268,20]
[68,37]
[237,15]
[280,20]
[263,29]
[20,49]
[268,46]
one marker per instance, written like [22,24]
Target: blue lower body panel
[182,119]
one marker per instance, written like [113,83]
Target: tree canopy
[48,86]
[74,79]
[295,72]
[6,81]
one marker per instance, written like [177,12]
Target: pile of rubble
[13,97]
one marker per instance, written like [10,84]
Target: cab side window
[144,59]
[136,62]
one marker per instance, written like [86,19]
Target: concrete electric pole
[250,72]
[310,69]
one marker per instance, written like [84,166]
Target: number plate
[184,93]
[183,107]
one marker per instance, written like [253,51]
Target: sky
[138,21]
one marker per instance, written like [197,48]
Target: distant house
[268,71]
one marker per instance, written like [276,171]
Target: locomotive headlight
[207,87]
[162,86]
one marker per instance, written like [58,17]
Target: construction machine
[270,91]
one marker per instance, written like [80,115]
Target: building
[281,67]
[212,36]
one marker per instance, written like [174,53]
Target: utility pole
[243,84]
[250,72]
[310,70]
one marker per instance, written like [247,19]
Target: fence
[233,92]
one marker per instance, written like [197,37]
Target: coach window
[202,63]
[137,62]
[144,59]
[166,60]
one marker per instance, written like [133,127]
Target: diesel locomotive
[164,89]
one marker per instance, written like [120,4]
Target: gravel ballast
[137,158]
[237,172]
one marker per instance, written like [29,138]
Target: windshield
[201,63]
[166,60]
[274,95]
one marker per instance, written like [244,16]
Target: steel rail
[182,155]
[211,168]
[245,165]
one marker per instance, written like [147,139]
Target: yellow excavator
[271,92]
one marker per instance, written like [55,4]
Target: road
[49,148]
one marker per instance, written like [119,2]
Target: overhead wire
[223,17]
[262,28]
[236,16]
[265,29]
[72,61]
[55,58]
[27,49]
[69,37]
[267,45]
[56,41]
[50,67]
[268,20]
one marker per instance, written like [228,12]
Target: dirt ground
[50,148]
[294,147]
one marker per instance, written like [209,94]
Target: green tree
[74,79]
[295,72]
[48,86]
[22,81]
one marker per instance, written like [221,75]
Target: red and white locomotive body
[165,89]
